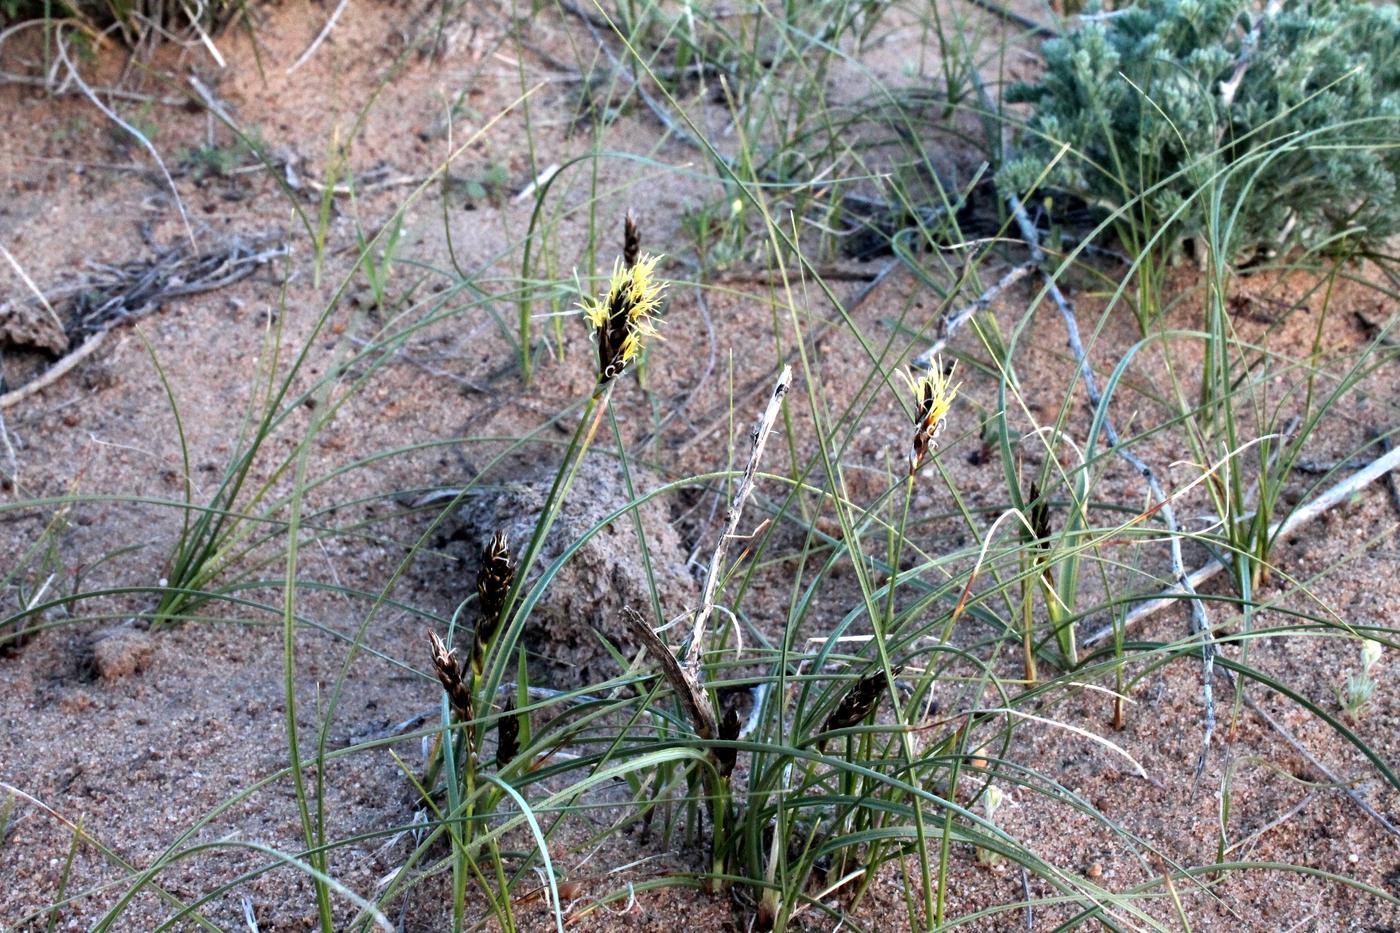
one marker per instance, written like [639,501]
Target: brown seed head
[729,730]
[1040,516]
[631,241]
[859,702]
[449,674]
[493,583]
[507,736]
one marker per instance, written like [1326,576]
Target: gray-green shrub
[1289,114]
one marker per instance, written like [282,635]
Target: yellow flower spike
[934,392]
[623,319]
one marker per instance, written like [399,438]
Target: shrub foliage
[1287,116]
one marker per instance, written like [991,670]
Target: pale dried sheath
[758,438]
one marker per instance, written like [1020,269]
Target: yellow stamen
[933,391]
[622,318]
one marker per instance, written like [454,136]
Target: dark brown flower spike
[631,242]
[622,319]
[493,583]
[1039,517]
[449,674]
[507,736]
[860,702]
[728,730]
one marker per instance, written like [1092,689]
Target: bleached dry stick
[1300,517]
[758,437]
[1231,86]
[683,680]
[957,319]
[61,47]
[55,372]
[1200,622]
[320,37]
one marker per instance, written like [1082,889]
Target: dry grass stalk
[758,438]
[61,47]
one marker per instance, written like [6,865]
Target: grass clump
[135,22]
[1287,112]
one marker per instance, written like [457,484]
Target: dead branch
[54,373]
[683,680]
[111,93]
[133,289]
[952,322]
[123,293]
[1342,491]
[1391,485]
[320,37]
[1032,27]
[62,49]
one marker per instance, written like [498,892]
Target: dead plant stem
[1340,492]
[758,437]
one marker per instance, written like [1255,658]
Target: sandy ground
[152,740]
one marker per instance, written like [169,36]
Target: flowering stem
[504,643]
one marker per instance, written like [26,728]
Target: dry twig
[957,319]
[685,682]
[55,372]
[758,437]
[128,291]
[124,293]
[1391,485]
[1342,491]
[320,37]
[61,47]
